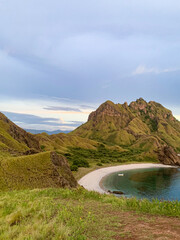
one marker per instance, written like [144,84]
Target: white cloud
[177,117]
[142,69]
[32,113]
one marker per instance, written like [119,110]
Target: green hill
[14,140]
[145,126]
[113,134]
[61,142]
[23,165]
[40,170]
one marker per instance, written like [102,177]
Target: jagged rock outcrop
[106,109]
[62,173]
[167,155]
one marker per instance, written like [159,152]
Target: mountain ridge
[114,133]
[139,122]
[35,131]
[16,140]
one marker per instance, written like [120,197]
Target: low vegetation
[75,214]
[35,171]
[102,155]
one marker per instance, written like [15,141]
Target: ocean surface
[158,183]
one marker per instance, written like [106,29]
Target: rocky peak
[140,100]
[139,105]
[108,108]
[125,105]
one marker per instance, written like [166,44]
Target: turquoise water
[159,183]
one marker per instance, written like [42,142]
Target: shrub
[99,164]
[81,163]
[67,154]
[105,161]
[42,147]
[74,167]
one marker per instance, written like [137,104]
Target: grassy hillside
[23,164]
[147,127]
[35,171]
[83,152]
[61,142]
[41,209]
[14,140]
[123,124]
[81,215]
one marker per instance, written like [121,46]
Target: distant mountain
[34,131]
[147,126]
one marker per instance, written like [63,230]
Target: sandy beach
[92,180]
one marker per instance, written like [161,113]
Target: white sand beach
[92,180]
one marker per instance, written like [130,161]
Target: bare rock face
[115,192]
[139,104]
[105,109]
[22,136]
[108,110]
[167,155]
[62,173]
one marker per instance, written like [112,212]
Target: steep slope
[14,140]
[160,121]
[62,141]
[37,170]
[40,170]
[147,126]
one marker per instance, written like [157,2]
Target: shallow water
[159,183]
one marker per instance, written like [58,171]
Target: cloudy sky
[60,59]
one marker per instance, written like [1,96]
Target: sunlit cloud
[86,107]
[31,121]
[68,109]
[142,69]
[177,117]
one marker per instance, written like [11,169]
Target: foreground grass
[69,214]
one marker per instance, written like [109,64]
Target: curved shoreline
[92,180]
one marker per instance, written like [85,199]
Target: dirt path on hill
[140,227]
[127,225]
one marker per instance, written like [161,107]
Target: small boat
[120,174]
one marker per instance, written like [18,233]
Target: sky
[59,60]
